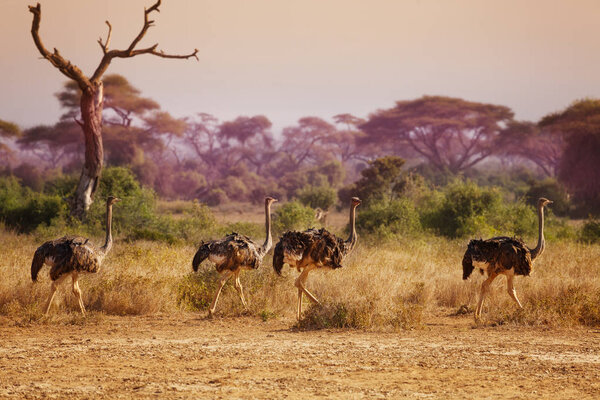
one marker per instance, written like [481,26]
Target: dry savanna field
[396,322]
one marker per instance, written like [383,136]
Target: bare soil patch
[187,356]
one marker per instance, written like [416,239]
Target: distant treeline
[200,157]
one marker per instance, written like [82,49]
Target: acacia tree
[56,144]
[578,169]
[92,98]
[7,130]
[450,133]
[306,141]
[526,140]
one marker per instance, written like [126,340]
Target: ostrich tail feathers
[278,258]
[200,256]
[36,264]
[467,265]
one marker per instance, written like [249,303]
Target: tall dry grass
[382,285]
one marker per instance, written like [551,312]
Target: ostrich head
[270,200]
[355,202]
[544,201]
[112,200]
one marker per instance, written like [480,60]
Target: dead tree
[92,98]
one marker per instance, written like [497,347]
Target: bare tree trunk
[92,96]
[91,113]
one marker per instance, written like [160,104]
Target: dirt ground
[188,356]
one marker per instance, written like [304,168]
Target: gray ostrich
[71,256]
[234,253]
[503,255]
[313,249]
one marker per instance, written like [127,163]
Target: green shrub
[23,209]
[389,218]
[119,182]
[63,185]
[590,233]
[293,216]
[465,209]
[378,181]
[317,196]
[462,210]
[553,190]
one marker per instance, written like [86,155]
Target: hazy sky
[292,58]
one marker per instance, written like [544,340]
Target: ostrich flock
[307,250]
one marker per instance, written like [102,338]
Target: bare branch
[131,51]
[63,65]
[105,45]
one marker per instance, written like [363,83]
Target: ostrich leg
[53,290]
[300,281]
[510,286]
[226,275]
[240,290]
[485,286]
[77,292]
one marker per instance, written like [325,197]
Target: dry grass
[389,285]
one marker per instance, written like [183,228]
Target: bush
[24,210]
[465,209]
[317,196]
[388,219]
[63,185]
[119,182]
[590,233]
[293,216]
[215,197]
[378,181]
[551,189]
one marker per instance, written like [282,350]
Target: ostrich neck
[109,240]
[539,248]
[352,239]
[269,240]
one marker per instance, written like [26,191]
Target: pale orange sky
[292,58]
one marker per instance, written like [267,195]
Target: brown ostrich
[321,216]
[71,256]
[503,256]
[313,249]
[234,253]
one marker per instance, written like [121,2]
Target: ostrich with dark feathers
[313,249]
[71,256]
[503,255]
[234,253]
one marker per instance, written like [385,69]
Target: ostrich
[234,253]
[321,216]
[503,255]
[313,249]
[72,255]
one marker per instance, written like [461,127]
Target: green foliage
[215,197]
[293,216]
[317,196]
[378,181]
[467,210]
[23,209]
[590,233]
[62,185]
[119,182]
[389,218]
[332,171]
[550,189]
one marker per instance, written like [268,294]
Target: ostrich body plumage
[72,255]
[313,249]
[233,253]
[503,255]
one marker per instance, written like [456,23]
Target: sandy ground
[189,356]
